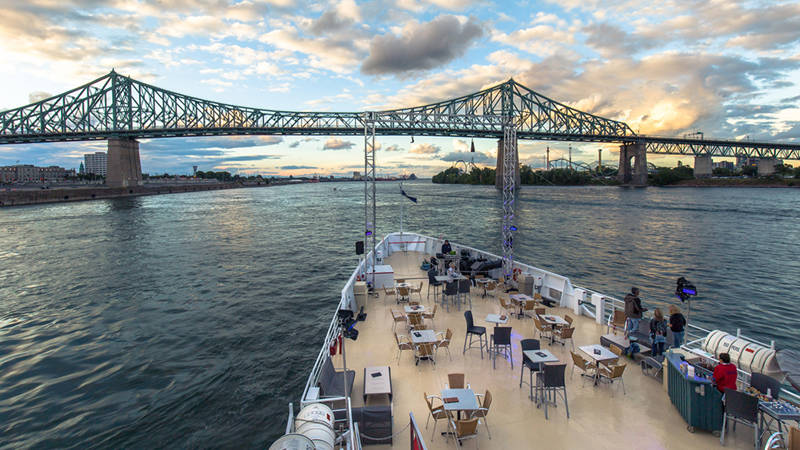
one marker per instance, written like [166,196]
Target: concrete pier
[766,166]
[635,175]
[124,167]
[498,174]
[702,167]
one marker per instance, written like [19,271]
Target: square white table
[540,357]
[603,355]
[483,282]
[522,299]
[447,279]
[496,319]
[555,321]
[466,400]
[415,309]
[423,336]
[377,380]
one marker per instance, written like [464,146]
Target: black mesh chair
[432,283]
[550,382]
[472,330]
[528,344]
[463,290]
[742,408]
[501,343]
[450,291]
[765,383]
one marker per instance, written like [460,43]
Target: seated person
[725,373]
[451,271]
[446,249]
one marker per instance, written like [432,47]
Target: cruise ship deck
[601,416]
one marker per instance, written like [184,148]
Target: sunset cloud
[729,69]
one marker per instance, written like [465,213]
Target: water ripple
[191,320]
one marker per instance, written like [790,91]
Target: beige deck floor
[601,417]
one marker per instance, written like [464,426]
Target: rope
[391,436]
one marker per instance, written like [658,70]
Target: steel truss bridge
[118,107]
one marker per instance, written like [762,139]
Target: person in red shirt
[725,373]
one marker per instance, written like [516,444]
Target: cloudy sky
[730,69]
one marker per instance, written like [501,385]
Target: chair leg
[724,427]
[623,386]
[494,353]
[530,384]
[521,369]
[544,398]
[485,422]
[566,405]
[755,431]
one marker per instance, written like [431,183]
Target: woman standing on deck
[658,332]
[677,323]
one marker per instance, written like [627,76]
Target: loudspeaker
[359,247]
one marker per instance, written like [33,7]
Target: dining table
[459,400]
[483,282]
[497,319]
[539,357]
[598,354]
[555,321]
[521,299]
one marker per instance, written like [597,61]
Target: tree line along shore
[784,176]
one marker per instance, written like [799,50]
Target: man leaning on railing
[633,311]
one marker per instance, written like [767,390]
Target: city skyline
[729,69]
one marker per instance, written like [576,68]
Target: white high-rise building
[95,163]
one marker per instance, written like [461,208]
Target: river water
[191,320]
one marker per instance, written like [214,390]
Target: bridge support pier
[636,175]
[766,166]
[702,167]
[124,166]
[498,174]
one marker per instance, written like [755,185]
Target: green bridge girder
[116,106]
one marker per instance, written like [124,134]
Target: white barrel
[315,422]
[292,442]
[747,356]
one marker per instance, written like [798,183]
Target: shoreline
[61,195]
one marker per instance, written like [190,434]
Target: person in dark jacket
[633,311]
[446,249]
[658,332]
[677,323]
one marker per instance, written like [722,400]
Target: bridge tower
[635,175]
[498,174]
[124,166]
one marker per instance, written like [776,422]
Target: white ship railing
[311,392]
[558,288]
